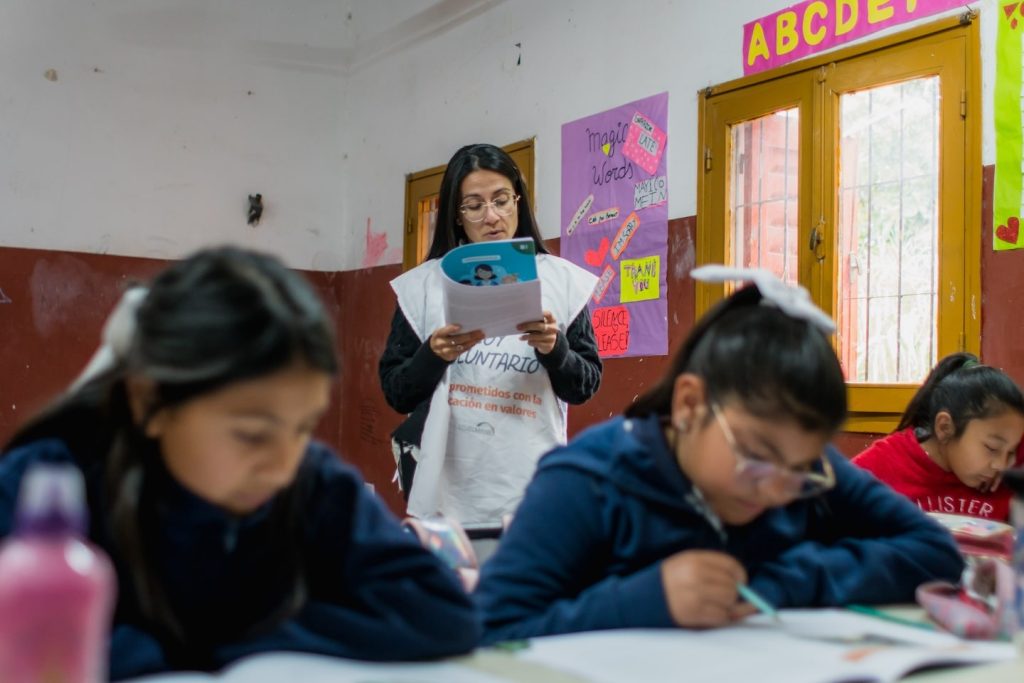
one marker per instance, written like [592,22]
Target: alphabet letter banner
[615,221]
[818,25]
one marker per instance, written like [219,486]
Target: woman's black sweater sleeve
[409,370]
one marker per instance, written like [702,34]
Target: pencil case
[982,607]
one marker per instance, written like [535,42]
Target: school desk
[489,666]
[814,647]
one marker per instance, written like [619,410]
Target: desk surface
[1008,672]
[505,666]
[508,667]
[615,656]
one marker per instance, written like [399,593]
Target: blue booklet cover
[491,264]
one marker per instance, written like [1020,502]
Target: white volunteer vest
[494,412]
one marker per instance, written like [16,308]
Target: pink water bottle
[56,589]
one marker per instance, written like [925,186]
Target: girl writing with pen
[718,481]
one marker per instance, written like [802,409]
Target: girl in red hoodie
[960,432]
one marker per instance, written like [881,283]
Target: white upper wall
[148,142]
[579,57]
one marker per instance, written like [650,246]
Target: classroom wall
[57,303]
[524,68]
[52,308]
[148,140]
[140,128]
[161,117]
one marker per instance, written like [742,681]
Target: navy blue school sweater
[585,548]
[371,591]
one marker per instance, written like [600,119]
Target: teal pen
[885,616]
[748,594]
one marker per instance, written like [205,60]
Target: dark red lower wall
[1002,289]
[52,308]
[366,306]
[53,304]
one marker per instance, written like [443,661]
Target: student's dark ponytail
[961,386]
[774,365]
[130,458]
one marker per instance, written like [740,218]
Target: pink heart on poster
[1009,10]
[596,257]
[1010,231]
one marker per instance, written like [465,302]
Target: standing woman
[470,462]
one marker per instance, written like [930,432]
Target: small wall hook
[255,208]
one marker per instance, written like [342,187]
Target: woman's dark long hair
[448,233]
[220,316]
[774,365]
[965,389]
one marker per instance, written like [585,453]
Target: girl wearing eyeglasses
[959,434]
[481,412]
[720,476]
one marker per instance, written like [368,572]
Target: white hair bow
[794,301]
[118,333]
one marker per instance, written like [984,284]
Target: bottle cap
[52,501]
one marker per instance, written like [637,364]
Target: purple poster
[615,221]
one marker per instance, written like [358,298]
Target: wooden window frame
[423,184]
[814,85]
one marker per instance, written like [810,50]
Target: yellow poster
[640,278]
[1009,182]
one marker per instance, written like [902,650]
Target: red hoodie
[899,461]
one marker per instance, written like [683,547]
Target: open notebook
[806,646]
[292,667]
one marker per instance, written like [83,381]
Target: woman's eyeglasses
[475,210]
[783,482]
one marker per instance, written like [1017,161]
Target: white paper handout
[492,286]
[285,667]
[807,646]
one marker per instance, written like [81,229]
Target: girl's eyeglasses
[475,210]
[783,482]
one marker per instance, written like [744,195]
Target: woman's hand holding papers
[448,343]
[541,334]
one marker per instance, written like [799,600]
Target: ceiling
[385,27]
[347,36]
[335,37]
